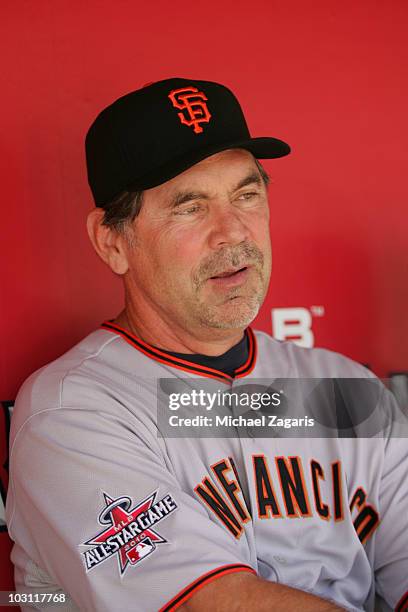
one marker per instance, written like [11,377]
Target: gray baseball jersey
[112,516]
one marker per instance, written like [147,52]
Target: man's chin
[237,314]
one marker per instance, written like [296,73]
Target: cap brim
[261,148]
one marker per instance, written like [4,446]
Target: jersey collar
[183,364]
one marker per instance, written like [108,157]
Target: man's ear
[107,242]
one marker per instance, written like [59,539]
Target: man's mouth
[230,278]
[229,273]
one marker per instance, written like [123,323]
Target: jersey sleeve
[391,539]
[95,505]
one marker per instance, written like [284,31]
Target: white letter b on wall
[293,324]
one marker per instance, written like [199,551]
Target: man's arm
[104,520]
[244,592]
[391,536]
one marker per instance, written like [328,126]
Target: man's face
[200,252]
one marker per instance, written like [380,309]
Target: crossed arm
[243,592]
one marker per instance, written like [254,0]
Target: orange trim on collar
[249,365]
[182,364]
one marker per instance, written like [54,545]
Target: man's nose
[227,227]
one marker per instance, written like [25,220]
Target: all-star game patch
[128,531]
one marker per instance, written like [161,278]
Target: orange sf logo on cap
[191,100]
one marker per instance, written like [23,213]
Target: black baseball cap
[151,135]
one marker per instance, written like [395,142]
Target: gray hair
[123,210]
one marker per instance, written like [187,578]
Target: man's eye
[248,195]
[188,210]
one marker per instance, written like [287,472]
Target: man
[108,508]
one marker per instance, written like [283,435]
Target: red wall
[328,77]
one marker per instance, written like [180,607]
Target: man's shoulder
[288,359]
[49,377]
[82,375]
